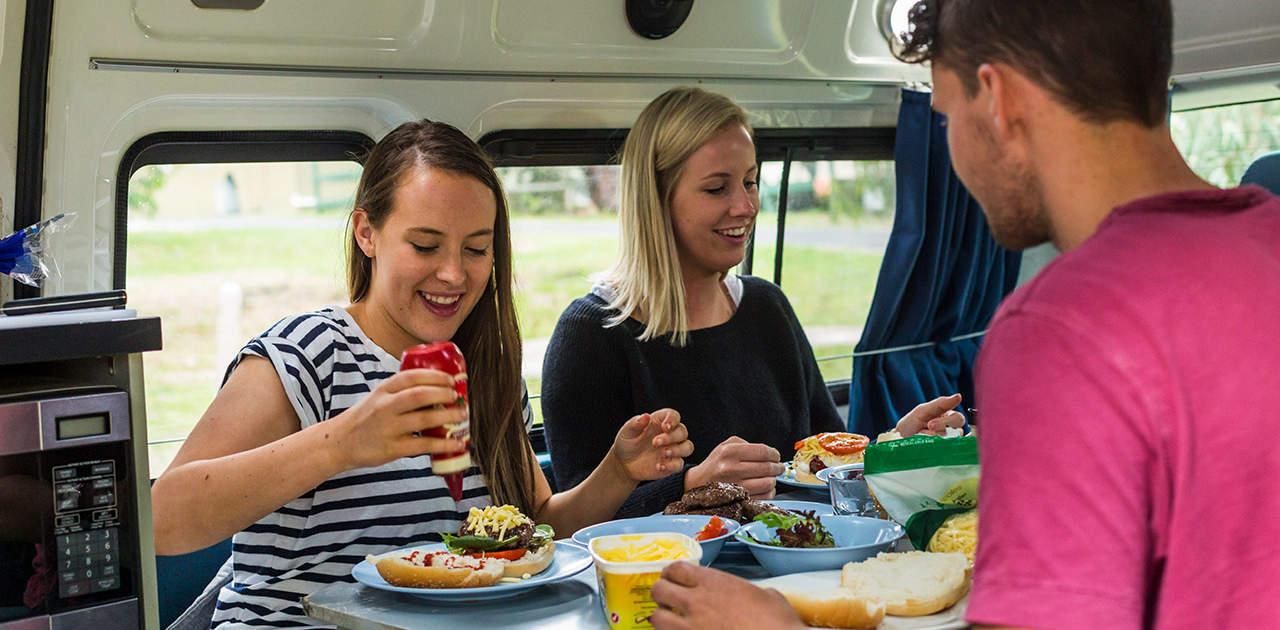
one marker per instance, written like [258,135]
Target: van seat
[180,579]
[1265,172]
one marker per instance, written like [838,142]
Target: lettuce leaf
[542,534]
[472,543]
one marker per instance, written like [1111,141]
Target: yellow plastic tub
[627,565]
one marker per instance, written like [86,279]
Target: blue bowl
[857,538]
[812,506]
[688,524]
[824,475]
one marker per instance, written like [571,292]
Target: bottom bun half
[453,571]
[457,572]
[531,563]
[836,608]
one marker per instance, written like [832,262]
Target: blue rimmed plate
[788,478]
[569,561]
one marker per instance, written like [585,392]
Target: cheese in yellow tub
[627,565]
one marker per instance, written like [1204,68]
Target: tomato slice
[843,443]
[509,554]
[713,529]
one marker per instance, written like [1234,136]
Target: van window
[1219,143]
[838,217]
[564,231]
[220,251]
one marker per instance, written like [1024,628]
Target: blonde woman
[669,326]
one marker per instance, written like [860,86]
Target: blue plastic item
[857,538]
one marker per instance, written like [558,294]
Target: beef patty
[751,509]
[728,510]
[713,494]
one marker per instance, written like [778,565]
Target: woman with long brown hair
[315,451]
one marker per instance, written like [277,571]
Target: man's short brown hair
[1107,60]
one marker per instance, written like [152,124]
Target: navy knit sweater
[753,376]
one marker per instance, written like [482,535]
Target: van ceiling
[1225,52]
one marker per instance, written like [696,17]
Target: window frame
[223,147]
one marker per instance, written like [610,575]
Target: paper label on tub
[626,598]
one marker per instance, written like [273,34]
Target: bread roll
[532,563]
[912,583]
[836,608]
[438,569]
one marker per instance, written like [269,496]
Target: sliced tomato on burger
[508,554]
[843,443]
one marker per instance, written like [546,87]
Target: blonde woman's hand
[391,422]
[652,445]
[932,418]
[735,460]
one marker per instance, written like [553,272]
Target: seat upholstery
[1265,172]
[183,579]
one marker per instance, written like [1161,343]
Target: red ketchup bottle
[446,357]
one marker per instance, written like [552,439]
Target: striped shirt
[327,365]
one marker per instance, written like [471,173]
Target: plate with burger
[824,450]
[498,552]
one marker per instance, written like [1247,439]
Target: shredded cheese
[957,533]
[631,550]
[495,520]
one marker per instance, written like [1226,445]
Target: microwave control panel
[86,527]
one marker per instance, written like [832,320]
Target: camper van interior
[205,155]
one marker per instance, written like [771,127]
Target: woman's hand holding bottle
[393,421]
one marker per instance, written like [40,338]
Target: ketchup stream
[446,357]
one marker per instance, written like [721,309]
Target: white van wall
[12,14]
[123,69]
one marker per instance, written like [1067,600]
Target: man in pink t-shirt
[1127,392]
[1128,475]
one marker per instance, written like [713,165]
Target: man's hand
[697,598]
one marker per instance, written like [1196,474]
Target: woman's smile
[441,304]
[735,235]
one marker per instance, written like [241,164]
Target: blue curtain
[942,278]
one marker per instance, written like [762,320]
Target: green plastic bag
[923,480]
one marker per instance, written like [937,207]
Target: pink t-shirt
[1130,399]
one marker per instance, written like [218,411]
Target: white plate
[569,561]
[948,619]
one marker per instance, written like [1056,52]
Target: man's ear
[362,229]
[1004,103]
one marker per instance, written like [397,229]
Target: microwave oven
[69,536]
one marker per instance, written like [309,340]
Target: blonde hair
[646,279]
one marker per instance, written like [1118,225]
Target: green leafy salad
[800,529]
